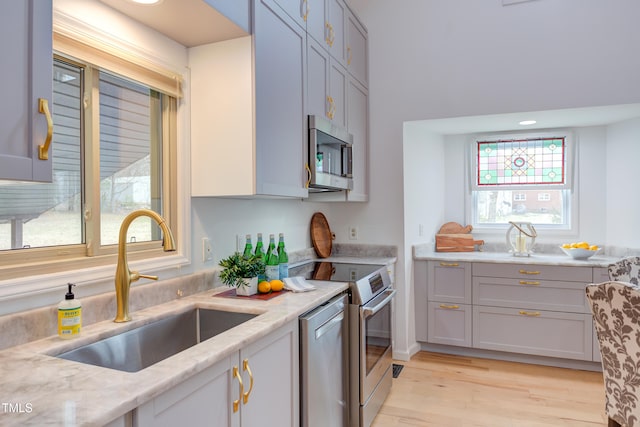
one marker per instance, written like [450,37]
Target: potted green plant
[242,273]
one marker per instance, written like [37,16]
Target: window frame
[48,269]
[570,199]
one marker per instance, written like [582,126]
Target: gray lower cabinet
[269,395]
[528,309]
[449,324]
[449,303]
[534,332]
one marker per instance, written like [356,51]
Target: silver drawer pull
[529,282]
[449,307]
[449,264]
[530,313]
[529,272]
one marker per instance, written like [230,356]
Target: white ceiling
[189,22]
[574,117]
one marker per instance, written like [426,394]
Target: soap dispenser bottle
[69,315]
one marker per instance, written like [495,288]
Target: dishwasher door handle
[329,324]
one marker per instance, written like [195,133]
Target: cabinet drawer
[530,294]
[449,282]
[536,332]
[449,324]
[533,272]
[600,274]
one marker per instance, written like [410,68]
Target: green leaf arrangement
[236,267]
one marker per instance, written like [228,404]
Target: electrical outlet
[207,250]
[353,233]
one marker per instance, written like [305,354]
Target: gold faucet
[124,276]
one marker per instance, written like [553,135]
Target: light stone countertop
[426,253]
[45,390]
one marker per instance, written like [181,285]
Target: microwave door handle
[347,160]
[370,311]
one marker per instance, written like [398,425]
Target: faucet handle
[145,276]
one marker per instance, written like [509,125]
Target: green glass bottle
[260,252]
[272,269]
[283,259]
[248,247]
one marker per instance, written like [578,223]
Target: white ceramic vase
[250,287]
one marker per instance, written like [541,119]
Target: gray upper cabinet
[297,10]
[357,49]
[326,24]
[280,85]
[27,67]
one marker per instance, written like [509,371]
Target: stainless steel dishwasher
[324,378]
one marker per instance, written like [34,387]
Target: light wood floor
[443,390]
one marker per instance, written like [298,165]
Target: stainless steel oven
[370,353]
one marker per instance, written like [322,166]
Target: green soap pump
[69,315]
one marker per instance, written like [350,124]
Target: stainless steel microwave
[330,156]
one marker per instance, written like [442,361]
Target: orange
[264,287]
[277,285]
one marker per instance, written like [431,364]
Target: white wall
[424,211]
[622,203]
[435,59]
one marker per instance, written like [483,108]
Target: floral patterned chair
[616,317]
[626,270]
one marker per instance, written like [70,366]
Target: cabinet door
[296,9]
[357,49]
[358,126]
[317,79]
[280,87]
[326,85]
[449,282]
[236,10]
[274,365]
[536,332]
[317,21]
[27,76]
[206,399]
[449,324]
[337,12]
[338,93]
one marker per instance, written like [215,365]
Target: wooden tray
[321,235]
[231,293]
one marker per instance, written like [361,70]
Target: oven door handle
[370,311]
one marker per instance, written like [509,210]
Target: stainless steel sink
[142,347]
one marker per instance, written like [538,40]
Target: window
[112,154]
[522,178]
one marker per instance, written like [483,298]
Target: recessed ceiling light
[528,122]
[146,1]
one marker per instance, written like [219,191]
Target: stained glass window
[533,161]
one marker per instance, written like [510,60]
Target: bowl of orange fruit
[579,250]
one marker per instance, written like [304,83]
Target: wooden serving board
[231,293]
[321,235]
[456,243]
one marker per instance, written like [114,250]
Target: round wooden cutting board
[321,236]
